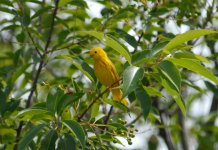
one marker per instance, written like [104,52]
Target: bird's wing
[113,72]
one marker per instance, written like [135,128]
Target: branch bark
[108,115]
[164,132]
[183,131]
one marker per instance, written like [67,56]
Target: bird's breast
[103,73]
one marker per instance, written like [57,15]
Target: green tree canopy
[165,52]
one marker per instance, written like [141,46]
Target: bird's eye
[95,51]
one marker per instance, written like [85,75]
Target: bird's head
[97,53]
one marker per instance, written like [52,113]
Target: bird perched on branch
[106,73]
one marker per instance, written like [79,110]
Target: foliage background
[48,84]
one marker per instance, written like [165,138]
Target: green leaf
[40,105]
[212,87]
[28,114]
[80,3]
[116,104]
[152,91]
[75,128]
[12,105]
[25,15]
[67,142]
[54,96]
[63,2]
[131,78]
[113,43]
[95,109]
[128,38]
[76,86]
[83,67]
[20,38]
[66,100]
[19,72]
[3,101]
[195,67]
[117,126]
[48,140]
[171,74]
[174,93]
[140,57]
[144,100]
[88,69]
[5,130]
[6,2]
[57,100]
[28,137]
[41,11]
[10,27]
[185,37]
[191,56]
[109,138]
[35,1]
[77,65]
[6,10]
[158,48]
[106,137]
[118,2]
[110,42]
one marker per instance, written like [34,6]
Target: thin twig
[139,40]
[108,115]
[209,14]
[100,95]
[134,121]
[52,26]
[31,38]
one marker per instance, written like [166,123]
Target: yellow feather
[106,73]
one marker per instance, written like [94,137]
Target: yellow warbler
[106,73]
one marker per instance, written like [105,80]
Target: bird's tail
[118,95]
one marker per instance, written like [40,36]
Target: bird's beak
[91,54]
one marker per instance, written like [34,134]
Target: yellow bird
[106,73]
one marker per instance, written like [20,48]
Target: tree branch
[108,115]
[164,132]
[209,14]
[52,26]
[183,132]
[34,84]
[28,104]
